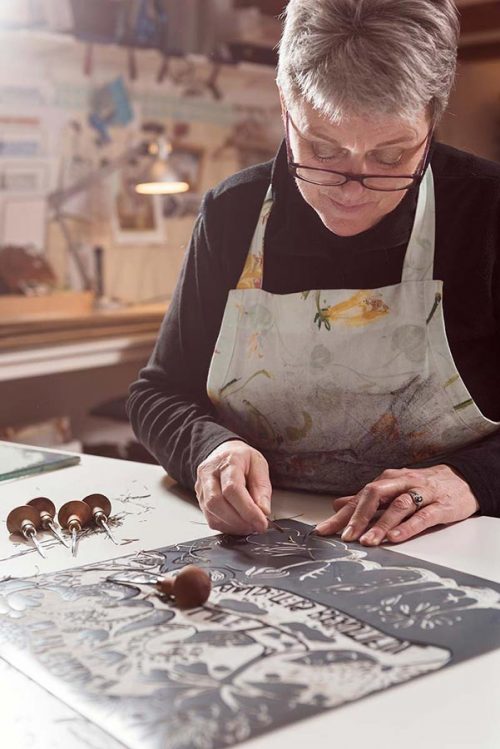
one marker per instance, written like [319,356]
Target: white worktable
[450,709]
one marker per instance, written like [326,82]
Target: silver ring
[416,497]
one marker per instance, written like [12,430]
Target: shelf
[71,357]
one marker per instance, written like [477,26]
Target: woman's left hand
[446,498]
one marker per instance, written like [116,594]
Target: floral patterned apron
[333,387]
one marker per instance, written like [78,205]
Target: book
[23,460]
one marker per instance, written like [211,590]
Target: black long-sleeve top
[168,405]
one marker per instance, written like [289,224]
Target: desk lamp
[162,180]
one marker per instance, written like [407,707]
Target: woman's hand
[234,489]
[446,498]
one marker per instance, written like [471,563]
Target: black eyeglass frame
[416,178]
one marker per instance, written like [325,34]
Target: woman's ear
[282,104]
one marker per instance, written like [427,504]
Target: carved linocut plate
[295,625]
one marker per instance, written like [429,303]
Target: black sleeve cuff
[219,436]
[479,464]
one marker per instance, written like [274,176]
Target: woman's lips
[346,208]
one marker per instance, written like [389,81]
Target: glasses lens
[332,179]
[388,183]
[319,177]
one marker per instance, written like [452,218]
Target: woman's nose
[352,190]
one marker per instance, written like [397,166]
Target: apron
[333,387]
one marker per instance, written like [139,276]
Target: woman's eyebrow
[394,141]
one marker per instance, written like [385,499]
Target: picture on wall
[182,205]
[25,177]
[136,219]
[187,162]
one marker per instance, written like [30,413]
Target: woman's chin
[347,227]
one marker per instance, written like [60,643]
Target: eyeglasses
[330,178]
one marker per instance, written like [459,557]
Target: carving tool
[25,521]
[280,528]
[302,546]
[73,516]
[47,511]
[101,508]
[190,588]
[275,525]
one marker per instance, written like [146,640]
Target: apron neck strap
[253,272]
[419,258]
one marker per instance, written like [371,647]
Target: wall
[473,118]
[42,72]
[49,72]
[53,67]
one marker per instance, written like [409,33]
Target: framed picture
[135,219]
[21,141]
[180,206]
[27,177]
[187,162]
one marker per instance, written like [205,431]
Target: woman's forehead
[370,128]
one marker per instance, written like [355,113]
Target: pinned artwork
[110,107]
[295,625]
[187,163]
[135,219]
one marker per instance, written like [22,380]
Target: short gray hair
[369,56]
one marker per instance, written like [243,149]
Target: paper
[25,223]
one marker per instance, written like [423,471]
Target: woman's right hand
[234,489]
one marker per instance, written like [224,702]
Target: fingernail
[321,528]
[265,505]
[372,537]
[348,533]
[394,534]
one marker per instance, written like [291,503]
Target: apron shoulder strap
[419,259]
[253,270]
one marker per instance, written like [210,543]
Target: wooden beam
[478,52]
[269,7]
[475,19]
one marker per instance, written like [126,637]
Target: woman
[379,389]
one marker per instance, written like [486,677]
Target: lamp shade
[162,187]
[162,178]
